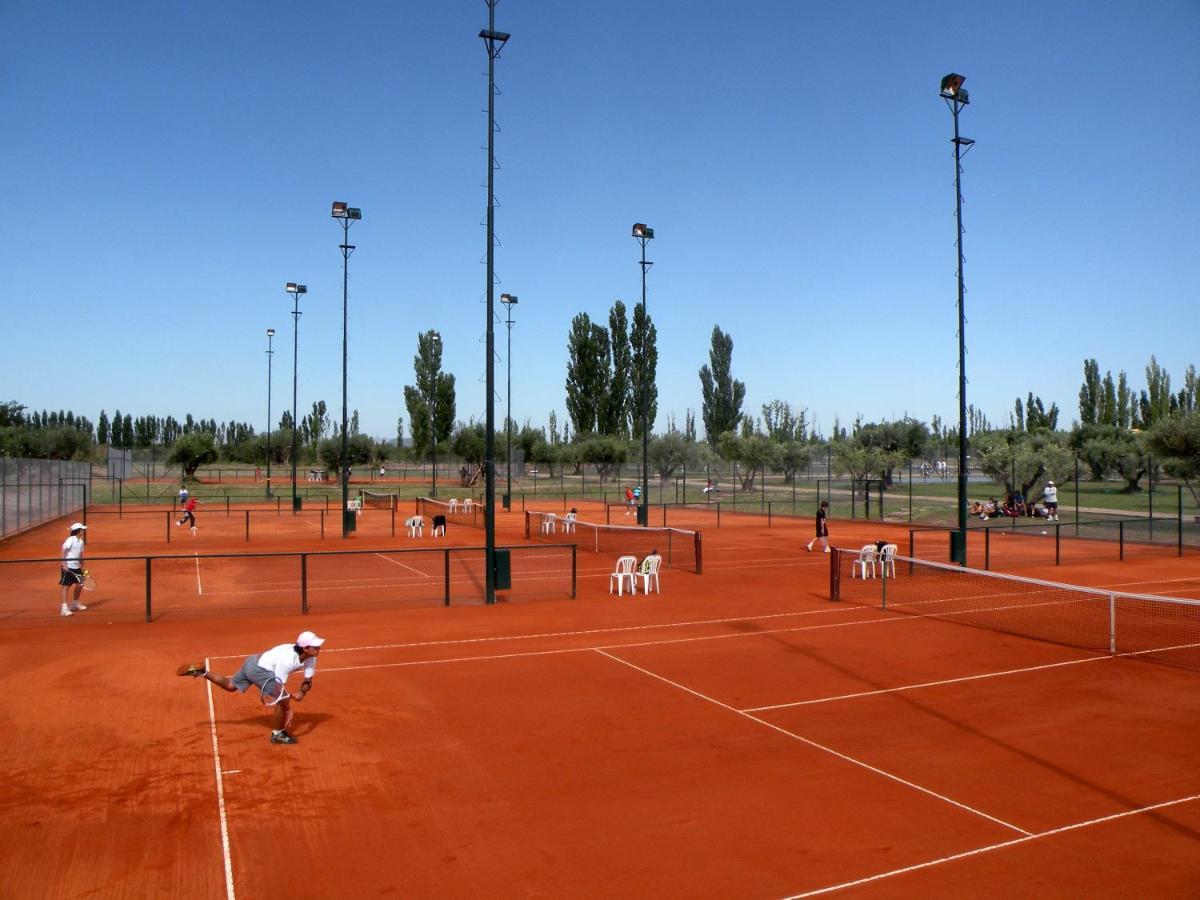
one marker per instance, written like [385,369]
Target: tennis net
[378,500]
[460,512]
[679,548]
[1149,626]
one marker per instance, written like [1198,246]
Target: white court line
[212,724]
[199,586]
[402,565]
[990,847]
[822,747]
[554,634]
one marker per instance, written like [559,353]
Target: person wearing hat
[260,669]
[1050,498]
[72,570]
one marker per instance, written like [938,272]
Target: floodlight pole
[270,353]
[346,216]
[643,233]
[295,290]
[494,41]
[434,338]
[956,98]
[509,301]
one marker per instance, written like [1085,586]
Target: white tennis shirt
[72,552]
[284,660]
[1050,494]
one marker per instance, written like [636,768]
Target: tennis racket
[86,581]
[273,692]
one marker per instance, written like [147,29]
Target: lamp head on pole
[342,211]
[952,88]
[293,288]
[270,332]
[643,232]
[508,299]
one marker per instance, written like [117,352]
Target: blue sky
[167,168]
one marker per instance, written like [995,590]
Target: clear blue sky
[168,167]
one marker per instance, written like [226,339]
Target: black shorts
[70,577]
[187,517]
[1051,504]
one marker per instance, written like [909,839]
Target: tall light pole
[346,216]
[956,98]
[435,341]
[295,290]
[509,301]
[494,42]
[270,353]
[643,233]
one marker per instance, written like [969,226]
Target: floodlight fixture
[270,332]
[952,87]
[495,37]
[643,231]
[293,288]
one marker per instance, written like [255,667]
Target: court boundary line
[199,586]
[988,848]
[811,743]
[402,565]
[224,819]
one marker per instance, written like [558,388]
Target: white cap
[79,526]
[308,639]
[1049,482]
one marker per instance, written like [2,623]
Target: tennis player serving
[269,671]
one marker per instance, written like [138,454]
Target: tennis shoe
[282,737]
[66,612]
[808,547]
[193,669]
[78,607]
[826,549]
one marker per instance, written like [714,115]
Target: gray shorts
[251,673]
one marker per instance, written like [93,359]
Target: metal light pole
[509,301]
[956,98]
[494,41]
[295,290]
[346,216]
[643,233]
[270,353]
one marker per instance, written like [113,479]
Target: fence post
[987,549]
[148,588]
[247,526]
[446,572]
[912,548]
[574,570]
[1121,537]
[1178,507]
[304,583]
[1057,544]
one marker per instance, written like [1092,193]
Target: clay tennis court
[737,735]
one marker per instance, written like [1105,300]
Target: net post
[718,513]
[226,501]
[987,549]
[574,569]
[526,524]
[393,517]
[835,575]
[446,574]
[1112,624]
[912,548]
[304,579]
[1057,544]
[168,527]
[148,589]
[322,512]
[699,555]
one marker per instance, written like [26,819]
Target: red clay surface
[737,735]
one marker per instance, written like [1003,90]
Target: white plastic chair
[416,526]
[648,571]
[887,559]
[354,506]
[569,523]
[468,504]
[439,527]
[453,504]
[867,556]
[626,568]
[549,522]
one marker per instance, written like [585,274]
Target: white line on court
[821,747]
[402,565]
[212,725]
[990,847]
[199,586]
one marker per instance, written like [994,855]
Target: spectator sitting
[977,510]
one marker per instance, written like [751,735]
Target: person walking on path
[72,570]
[189,514]
[271,667]
[822,528]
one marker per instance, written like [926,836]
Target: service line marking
[212,725]
[403,566]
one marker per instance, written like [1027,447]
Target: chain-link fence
[33,491]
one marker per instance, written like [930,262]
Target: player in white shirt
[276,664]
[71,575]
[1050,498]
